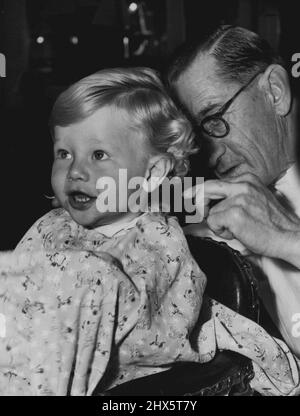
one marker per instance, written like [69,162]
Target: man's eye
[100,155]
[63,154]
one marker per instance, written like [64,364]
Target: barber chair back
[231,281]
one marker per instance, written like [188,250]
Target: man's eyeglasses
[215,125]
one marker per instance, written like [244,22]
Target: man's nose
[78,171]
[216,149]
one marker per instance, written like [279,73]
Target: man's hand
[249,212]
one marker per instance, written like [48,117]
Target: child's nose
[78,171]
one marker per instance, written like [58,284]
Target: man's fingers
[218,189]
[224,233]
[191,192]
[212,189]
[215,189]
[200,200]
[230,194]
[219,225]
[202,193]
[246,177]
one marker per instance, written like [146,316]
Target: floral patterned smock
[78,307]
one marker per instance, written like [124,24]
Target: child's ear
[158,170]
[275,82]
[54,201]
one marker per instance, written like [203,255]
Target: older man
[237,91]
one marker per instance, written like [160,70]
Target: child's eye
[63,154]
[100,155]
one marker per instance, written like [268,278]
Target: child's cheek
[57,181]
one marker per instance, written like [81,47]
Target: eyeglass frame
[219,114]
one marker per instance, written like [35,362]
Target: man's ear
[275,82]
[158,170]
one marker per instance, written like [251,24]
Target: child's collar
[112,229]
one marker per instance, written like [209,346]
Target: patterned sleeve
[170,288]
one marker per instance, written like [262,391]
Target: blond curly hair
[141,93]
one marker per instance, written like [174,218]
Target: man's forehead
[199,87]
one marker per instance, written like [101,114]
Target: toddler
[93,295]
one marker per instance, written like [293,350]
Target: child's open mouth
[80,200]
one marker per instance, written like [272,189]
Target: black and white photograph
[150,201]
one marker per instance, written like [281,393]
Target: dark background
[49,44]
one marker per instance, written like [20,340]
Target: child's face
[88,150]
